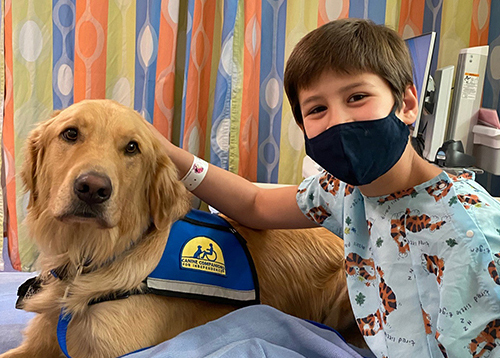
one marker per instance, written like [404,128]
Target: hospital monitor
[421,50]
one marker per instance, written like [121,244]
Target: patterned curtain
[207,73]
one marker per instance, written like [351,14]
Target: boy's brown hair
[348,46]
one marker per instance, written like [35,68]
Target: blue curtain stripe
[147,29]
[220,131]
[63,30]
[271,84]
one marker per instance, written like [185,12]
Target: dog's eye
[70,134]
[132,148]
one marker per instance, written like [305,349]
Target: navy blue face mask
[359,152]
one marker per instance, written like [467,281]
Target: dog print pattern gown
[421,264]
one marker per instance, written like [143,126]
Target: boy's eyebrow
[353,85]
[346,88]
[310,99]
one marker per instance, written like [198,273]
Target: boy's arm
[241,200]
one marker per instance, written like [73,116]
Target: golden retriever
[103,196]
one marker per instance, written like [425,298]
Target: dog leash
[62,330]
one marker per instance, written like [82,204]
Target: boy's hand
[164,141]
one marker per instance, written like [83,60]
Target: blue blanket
[254,331]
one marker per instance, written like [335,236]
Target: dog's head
[99,164]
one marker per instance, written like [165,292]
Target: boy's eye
[356,97]
[317,109]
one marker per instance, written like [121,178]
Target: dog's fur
[112,245]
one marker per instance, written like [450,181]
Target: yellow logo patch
[203,254]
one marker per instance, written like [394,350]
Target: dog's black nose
[93,188]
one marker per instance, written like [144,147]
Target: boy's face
[340,98]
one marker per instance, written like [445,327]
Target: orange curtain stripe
[90,49]
[165,73]
[411,15]
[198,81]
[323,13]
[249,122]
[480,24]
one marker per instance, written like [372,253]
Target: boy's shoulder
[470,193]
[444,187]
[326,184]
[463,175]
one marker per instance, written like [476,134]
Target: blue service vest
[206,258]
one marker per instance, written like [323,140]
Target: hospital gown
[421,264]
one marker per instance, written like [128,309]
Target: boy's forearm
[239,198]
[228,193]
[250,205]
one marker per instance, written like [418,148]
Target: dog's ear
[169,199]
[33,154]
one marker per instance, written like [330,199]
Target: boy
[422,247]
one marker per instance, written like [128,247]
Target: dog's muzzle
[93,188]
[90,200]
